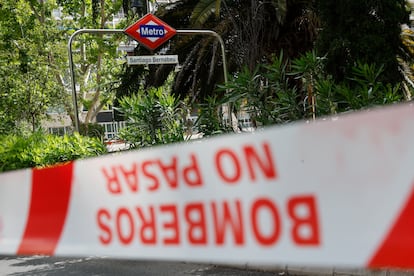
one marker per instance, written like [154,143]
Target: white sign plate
[156,59]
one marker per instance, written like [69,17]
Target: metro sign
[150,31]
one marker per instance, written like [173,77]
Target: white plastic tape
[336,192]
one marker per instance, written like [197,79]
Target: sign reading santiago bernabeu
[156,59]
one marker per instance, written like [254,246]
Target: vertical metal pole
[72,74]
[147,7]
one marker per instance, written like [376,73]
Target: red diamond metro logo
[150,31]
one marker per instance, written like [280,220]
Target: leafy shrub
[40,150]
[285,91]
[210,118]
[364,86]
[92,130]
[153,117]
[264,93]
[367,88]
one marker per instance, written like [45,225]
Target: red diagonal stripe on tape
[397,250]
[48,208]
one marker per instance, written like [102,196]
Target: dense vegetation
[331,57]
[40,150]
[362,32]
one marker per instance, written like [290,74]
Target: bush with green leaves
[210,117]
[288,90]
[40,150]
[92,130]
[363,88]
[265,93]
[153,117]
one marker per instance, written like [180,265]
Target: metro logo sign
[150,31]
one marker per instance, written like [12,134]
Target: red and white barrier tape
[331,193]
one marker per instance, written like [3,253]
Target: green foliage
[264,93]
[31,57]
[364,86]
[364,31]
[153,117]
[363,89]
[40,150]
[285,90]
[92,130]
[251,31]
[308,69]
[203,10]
[210,118]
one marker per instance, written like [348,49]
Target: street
[54,266]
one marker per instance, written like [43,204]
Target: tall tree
[96,64]
[365,31]
[30,53]
[33,51]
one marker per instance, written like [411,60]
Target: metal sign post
[118,31]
